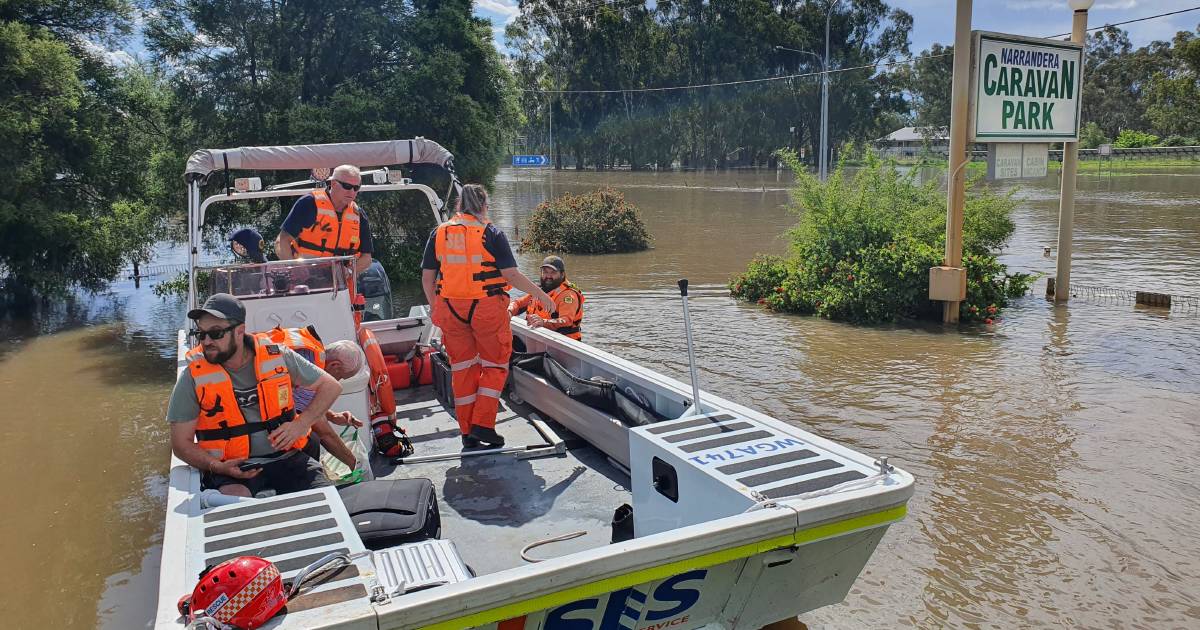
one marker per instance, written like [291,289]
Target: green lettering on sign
[989,84]
[1068,79]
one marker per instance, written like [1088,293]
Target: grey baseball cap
[221,305]
[556,262]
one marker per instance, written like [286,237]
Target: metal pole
[687,327]
[1066,207]
[824,159]
[958,158]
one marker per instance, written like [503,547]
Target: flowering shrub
[599,222]
[864,245]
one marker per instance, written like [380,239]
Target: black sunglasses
[348,186]
[214,334]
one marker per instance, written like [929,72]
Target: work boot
[469,442]
[487,436]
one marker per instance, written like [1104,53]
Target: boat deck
[494,505]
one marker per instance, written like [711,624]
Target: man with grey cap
[232,411]
[567,298]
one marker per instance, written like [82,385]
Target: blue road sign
[530,160]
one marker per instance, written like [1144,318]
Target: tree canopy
[564,48]
[74,136]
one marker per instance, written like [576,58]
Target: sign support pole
[959,112]
[1066,208]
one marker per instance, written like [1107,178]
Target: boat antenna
[687,327]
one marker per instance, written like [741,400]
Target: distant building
[911,142]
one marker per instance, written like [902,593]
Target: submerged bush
[599,222]
[864,245]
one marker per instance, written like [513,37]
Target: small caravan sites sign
[1025,89]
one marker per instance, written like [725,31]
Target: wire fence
[138,272]
[1093,294]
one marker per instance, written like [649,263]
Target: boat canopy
[310,156]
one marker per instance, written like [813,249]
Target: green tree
[75,135]
[249,73]
[1092,136]
[1174,92]
[927,81]
[582,48]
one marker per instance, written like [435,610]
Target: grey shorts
[293,473]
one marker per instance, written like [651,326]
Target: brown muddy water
[1055,452]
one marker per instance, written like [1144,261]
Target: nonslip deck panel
[716,429]
[725,441]
[270,534]
[269,551]
[282,517]
[763,462]
[670,426]
[292,531]
[256,507]
[810,485]
[788,473]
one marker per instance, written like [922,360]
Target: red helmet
[244,592]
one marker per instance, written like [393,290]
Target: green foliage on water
[599,222]
[865,242]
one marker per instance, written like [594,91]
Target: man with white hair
[328,222]
[343,359]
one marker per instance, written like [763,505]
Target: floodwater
[1054,452]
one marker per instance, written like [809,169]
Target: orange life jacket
[383,399]
[221,429]
[299,339]
[565,289]
[467,270]
[328,236]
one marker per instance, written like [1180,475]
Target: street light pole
[1070,167]
[824,101]
[824,161]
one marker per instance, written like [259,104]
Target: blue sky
[933,20]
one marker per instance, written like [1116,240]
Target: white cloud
[506,9]
[113,57]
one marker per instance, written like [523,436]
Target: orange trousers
[479,353]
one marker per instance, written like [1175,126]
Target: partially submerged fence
[1188,304]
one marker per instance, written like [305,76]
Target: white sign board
[1106,150]
[1025,89]
[1008,160]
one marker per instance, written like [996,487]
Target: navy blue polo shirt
[304,214]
